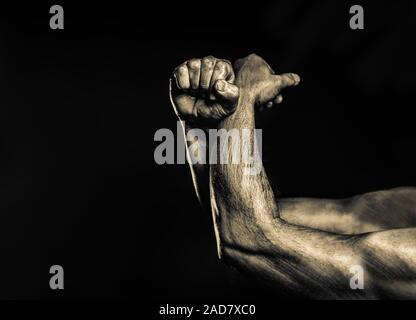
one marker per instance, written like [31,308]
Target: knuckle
[224,69]
[181,70]
[221,66]
[208,62]
[194,64]
[227,63]
[207,65]
[253,56]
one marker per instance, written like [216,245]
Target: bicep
[325,214]
[370,212]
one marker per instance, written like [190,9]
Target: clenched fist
[205,92]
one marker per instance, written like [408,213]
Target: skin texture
[304,246]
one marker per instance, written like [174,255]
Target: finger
[270,104]
[182,77]
[207,68]
[184,105]
[278,99]
[226,91]
[271,88]
[194,69]
[287,80]
[222,70]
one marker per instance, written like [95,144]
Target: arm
[202,93]
[303,260]
[359,214]
[369,212]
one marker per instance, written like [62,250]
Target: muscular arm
[302,259]
[285,246]
[369,212]
[362,213]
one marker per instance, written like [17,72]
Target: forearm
[255,239]
[317,264]
[240,200]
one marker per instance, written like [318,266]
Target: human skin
[305,246]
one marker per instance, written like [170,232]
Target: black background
[79,108]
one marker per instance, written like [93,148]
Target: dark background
[79,108]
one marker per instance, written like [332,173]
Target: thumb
[271,88]
[287,80]
[226,91]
